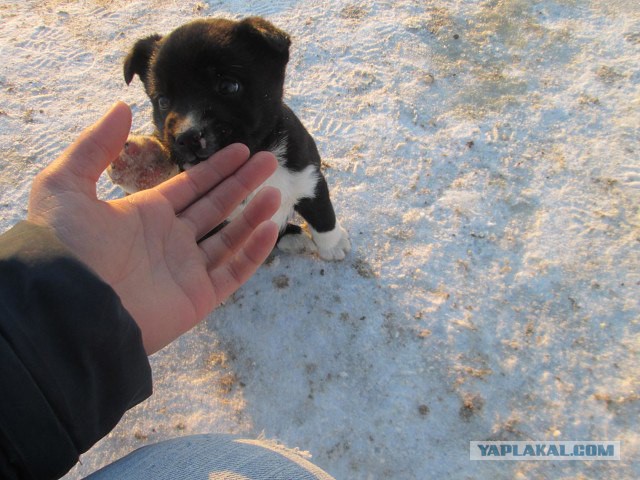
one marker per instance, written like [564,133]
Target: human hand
[145,245]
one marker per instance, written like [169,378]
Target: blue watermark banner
[543,450]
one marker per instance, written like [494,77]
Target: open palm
[146,245]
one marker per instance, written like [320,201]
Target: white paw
[333,245]
[297,243]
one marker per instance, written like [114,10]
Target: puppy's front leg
[331,239]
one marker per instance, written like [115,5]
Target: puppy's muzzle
[192,146]
[191,142]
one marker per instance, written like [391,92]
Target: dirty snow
[485,158]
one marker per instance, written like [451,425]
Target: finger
[231,275]
[214,207]
[182,190]
[220,247]
[97,146]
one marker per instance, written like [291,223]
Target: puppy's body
[216,82]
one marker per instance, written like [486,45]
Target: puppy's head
[212,83]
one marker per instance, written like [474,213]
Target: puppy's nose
[191,140]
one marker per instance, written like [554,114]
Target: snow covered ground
[484,155]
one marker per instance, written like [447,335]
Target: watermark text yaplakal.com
[542,450]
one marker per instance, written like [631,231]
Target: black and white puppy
[214,82]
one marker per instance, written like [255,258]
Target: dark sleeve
[71,357]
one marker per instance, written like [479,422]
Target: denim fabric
[212,457]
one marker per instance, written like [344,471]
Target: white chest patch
[293,186]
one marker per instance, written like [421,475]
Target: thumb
[97,146]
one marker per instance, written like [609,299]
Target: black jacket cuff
[71,357]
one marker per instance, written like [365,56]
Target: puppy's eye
[227,86]
[164,103]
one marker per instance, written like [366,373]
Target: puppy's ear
[137,62]
[273,38]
